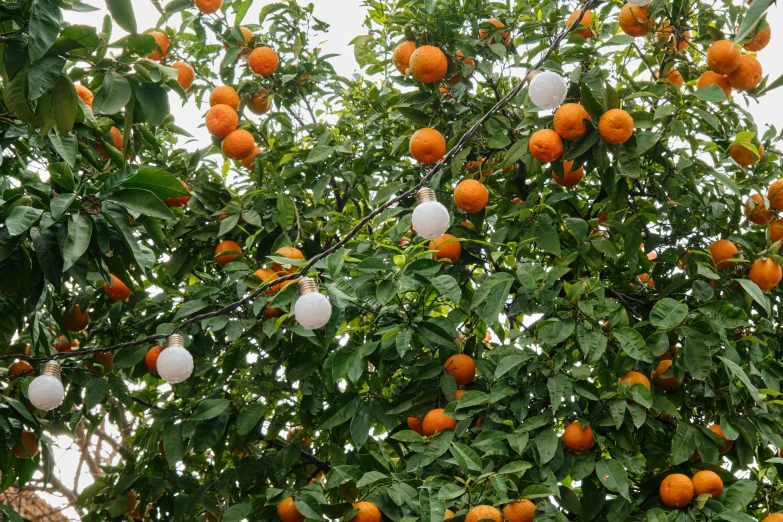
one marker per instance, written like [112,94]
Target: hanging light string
[463,141]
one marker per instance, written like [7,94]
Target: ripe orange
[775,194]
[247,35]
[484,511]
[676,491]
[665,383]
[238,145]
[293,432]
[401,57]
[586,21]
[484,34]
[162,46]
[263,61]
[458,394]
[116,137]
[721,250]
[569,120]
[743,155]
[29,447]
[766,273]
[151,359]
[20,369]
[266,275]
[706,481]
[131,503]
[224,95]
[712,78]
[291,253]
[260,103]
[415,424]
[368,512]
[632,378]
[671,34]
[272,312]
[615,126]
[226,246]
[569,178]
[428,64]
[427,145]
[675,77]
[646,280]
[446,247]
[748,75]
[77,320]
[727,444]
[723,56]
[776,230]
[578,439]
[447,514]
[759,39]
[773,517]
[222,120]
[436,421]
[85,94]
[247,162]
[105,358]
[62,344]
[471,196]
[208,6]
[287,512]
[634,20]
[545,145]
[179,201]
[521,510]
[461,367]
[462,60]
[117,290]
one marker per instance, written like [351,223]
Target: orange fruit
[427,145]
[706,481]
[757,212]
[266,275]
[632,378]
[62,344]
[260,103]
[238,145]
[676,491]
[264,61]
[415,424]
[428,64]
[287,512]
[748,75]
[179,201]
[247,162]
[727,444]
[446,247]
[461,367]
[646,279]
[105,358]
[759,39]
[29,447]
[471,196]
[521,510]
[578,439]
[462,60]
[776,230]
[545,145]
[162,46]
[401,57]
[766,273]
[222,120]
[225,246]
[85,94]
[743,155]
[368,512]
[634,20]
[77,320]
[723,56]
[775,194]
[458,394]
[20,369]
[293,432]
[586,20]
[247,35]
[208,6]
[131,503]
[447,514]
[484,34]
[224,95]
[116,137]
[436,421]
[483,512]
[713,78]
[117,290]
[721,250]
[773,517]
[615,126]
[291,253]
[668,33]
[569,178]
[569,120]
[665,383]
[675,77]
[151,359]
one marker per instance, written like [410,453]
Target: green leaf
[751,19]
[546,237]
[739,495]
[114,94]
[154,102]
[62,175]
[43,74]
[415,115]
[577,227]
[711,93]
[668,313]
[249,416]
[337,414]
[740,374]
[174,444]
[157,181]
[189,308]
[66,105]
[95,392]
[13,516]
[437,446]
[319,153]
[632,343]
[448,287]
[725,314]
[143,202]
[613,476]
[515,468]
[122,13]
[537,491]
[755,292]
[65,145]
[44,27]
[467,459]
[209,409]
[361,424]
[286,212]
[21,218]
[698,359]
[47,251]
[546,444]
[77,240]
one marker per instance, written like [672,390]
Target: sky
[346,23]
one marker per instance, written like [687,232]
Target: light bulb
[46,391]
[175,364]
[640,3]
[312,309]
[547,90]
[430,219]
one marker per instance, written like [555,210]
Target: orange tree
[598,325]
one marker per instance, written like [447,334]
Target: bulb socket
[425,194]
[51,368]
[532,74]
[307,285]
[175,340]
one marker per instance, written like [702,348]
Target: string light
[547,89]
[640,3]
[312,309]
[175,364]
[430,218]
[46,392]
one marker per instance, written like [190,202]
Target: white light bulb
[547,90]
[175,364]
[46,391]
[640,3]
[312,309]
[430,218]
